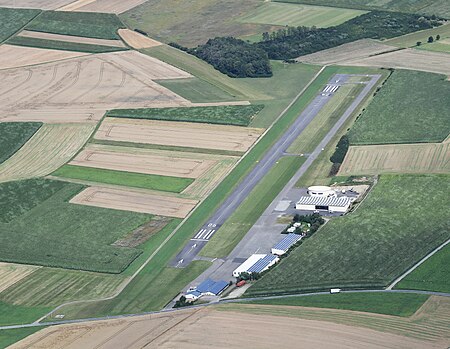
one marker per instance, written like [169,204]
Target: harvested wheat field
[94,82]
[142,161]
[404,158]
[136,201]
[53,116]
[108,6]
[354,50]
[253,327]
[12,273]
[413,59]
[41,4]
[49,148]
[182,134]
[19,56]
[71,38]
[136,40]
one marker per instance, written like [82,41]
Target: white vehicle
[335,290]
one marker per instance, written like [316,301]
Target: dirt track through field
[93,84]
[135,201]
[180,134]
[143,162]
[137,40]
[49,148]
[11,273]
[253,327]
[404,158]
[17,56]
[71,38]
[108,6]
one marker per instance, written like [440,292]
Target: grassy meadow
[9,337]
[87,24]
[129,179]
[284,14]
[399,304]
[63,234]
[395,213]
[410,40]
[411,107]
[238,115]
[62,45]
[14,136]
[432,275]
[13,20]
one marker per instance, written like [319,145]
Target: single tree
[438,37]
[418,43]
[430,39]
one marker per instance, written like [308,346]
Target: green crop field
[130,179]
[410,40]
[395,226]
[411,107]
[436,47]
[9,337]
[12,20]
[432,275]
[436,7]
[87,24]
[62,234]
[400,304]
[299,15]
[197,90]
[235,228]
[16,314]
[62,45]
[14,136]
[239,115]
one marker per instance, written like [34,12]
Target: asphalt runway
[278,150]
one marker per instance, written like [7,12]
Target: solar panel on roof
[260,265]
[324,201]
[205,286]
[287,242]
[218,287]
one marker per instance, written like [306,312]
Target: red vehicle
[241,283]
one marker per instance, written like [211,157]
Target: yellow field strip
[49,148]
[11,273]
[405,158]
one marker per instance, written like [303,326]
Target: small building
[206,288]
[256,263]
[192,296]
[285,244]
[321,191]
[330,204]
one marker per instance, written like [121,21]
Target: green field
[239,115]
[16,314]
[129,179]
[197,90]
[235,228]
[299,15]
[9,337]
[62,45]
[13,20]
[411,107]
[432,275]
[87,24]
[400,304]
[437,7]
[410,40]
[438,46]
[14,136]
[378,227]
[63,234]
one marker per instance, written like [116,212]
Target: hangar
[285,244]
[256,263]
[330,204]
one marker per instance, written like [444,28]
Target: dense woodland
[238,58]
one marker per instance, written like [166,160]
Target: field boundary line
[415,266]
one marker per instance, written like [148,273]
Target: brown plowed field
[17,56]
[136,40]
[11,273]
[42,4]
[182,134]
[94,82]
[404,158]
[353,50]
[109,6]
[135,201]
[49,148]
[413,59]
[71,38]
[142,162]
[264,328]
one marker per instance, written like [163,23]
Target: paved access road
[278,150]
